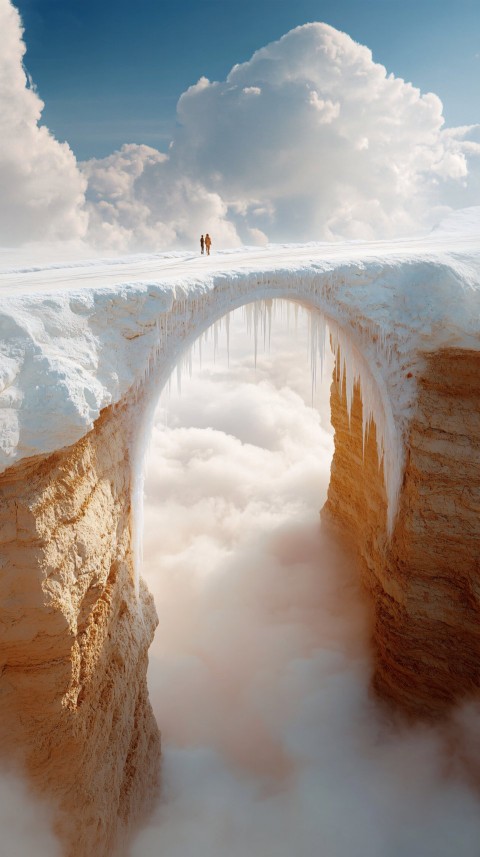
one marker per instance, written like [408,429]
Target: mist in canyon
[25,822]
[259,672]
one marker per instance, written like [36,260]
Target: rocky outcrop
[425,580]
[74,707]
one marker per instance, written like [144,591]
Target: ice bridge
[85,350]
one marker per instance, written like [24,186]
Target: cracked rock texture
[425,581]
[74,708]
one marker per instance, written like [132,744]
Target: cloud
[301,145]
[309,139]
[42,193]
[136,201]
[260,668]
[26,824]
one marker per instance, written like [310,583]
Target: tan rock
[425,581]
[73,696]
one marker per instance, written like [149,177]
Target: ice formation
[77,338]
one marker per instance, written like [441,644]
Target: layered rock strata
[424,581]
[74,707]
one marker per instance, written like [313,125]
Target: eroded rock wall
[74,707]
[425,581]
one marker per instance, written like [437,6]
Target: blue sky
[111,72]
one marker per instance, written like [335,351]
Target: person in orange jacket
[208,243]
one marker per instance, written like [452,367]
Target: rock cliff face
[425,581]
[74,707]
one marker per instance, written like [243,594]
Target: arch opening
[174,353]
[279,745]
[251,586]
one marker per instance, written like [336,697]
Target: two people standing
[205,243]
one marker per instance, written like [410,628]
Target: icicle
[269,310]
[376,408]
[227,331]
[215,340]
[317,341]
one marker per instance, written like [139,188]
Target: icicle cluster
[375,409]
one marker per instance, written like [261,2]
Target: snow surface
[78,336]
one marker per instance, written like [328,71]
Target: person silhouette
[208,243]
[202,244]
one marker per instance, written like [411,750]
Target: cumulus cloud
[260,668]
[309,139]
[334,144]
[42,188]
[135,200]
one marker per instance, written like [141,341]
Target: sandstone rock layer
[424,581]
[74,707]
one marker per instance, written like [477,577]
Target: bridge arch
[362,356]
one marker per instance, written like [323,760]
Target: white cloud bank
[308,140]
[42,188]
[25,823]
[137,200]
[260,668]
[331,145]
